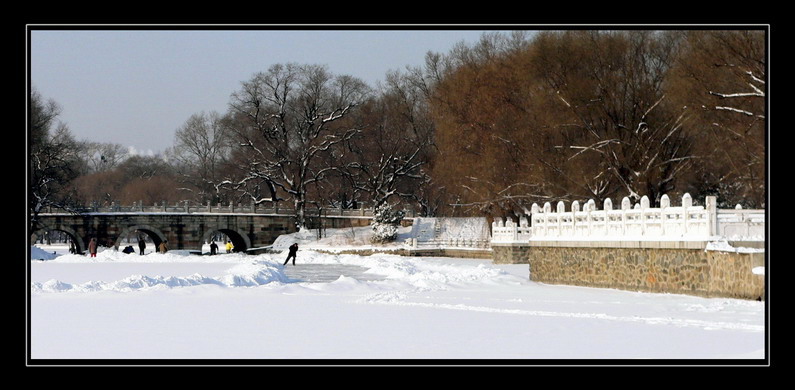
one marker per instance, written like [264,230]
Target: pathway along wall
[663,270]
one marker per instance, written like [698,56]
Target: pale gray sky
[136,87]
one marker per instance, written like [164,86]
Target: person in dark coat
[213,248]
[293,251]
[141,246]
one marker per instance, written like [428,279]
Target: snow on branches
[386,221]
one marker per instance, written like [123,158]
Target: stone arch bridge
[180,230]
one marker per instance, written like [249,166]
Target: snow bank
[253,271]
[423,275]
[112,255]
[37,253]
[241,275]
[339,239]
[724,246]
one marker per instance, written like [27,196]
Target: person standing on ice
[141,246]
[163,247]
[293,251]
[92,247]
[213,248]
[229,247]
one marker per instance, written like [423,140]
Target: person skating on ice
[293,251]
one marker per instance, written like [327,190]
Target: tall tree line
[578,115]
[486,129]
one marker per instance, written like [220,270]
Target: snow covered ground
[382,308]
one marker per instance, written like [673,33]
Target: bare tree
[285,119]
[616,116]
[722,77]
[148,179]
[53,160]
[201,147]
[101,157]
[391,151]
[485,111]
[567,115]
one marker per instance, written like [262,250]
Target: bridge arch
[80,246]
[154,233]
[239,239]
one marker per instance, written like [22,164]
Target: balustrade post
[607,206]
[547,211]
[514,229]
[626,205]
[687,202]
[712,215]
[644,205]
[665,202]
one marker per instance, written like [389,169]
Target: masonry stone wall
[509,253]
[335,222]
[662,270]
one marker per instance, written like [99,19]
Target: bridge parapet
[187,207]
[637,222]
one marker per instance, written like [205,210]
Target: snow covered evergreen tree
[385,223]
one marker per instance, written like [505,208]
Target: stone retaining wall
[664,270]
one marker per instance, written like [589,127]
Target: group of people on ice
[163,248]
[214,248]
[93,245]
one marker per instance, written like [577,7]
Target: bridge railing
[741,224]
[189,207]
[638,222]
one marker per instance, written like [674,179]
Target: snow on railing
[739,224]
[510,231]
[638,222]
[449,243]
[449,232]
